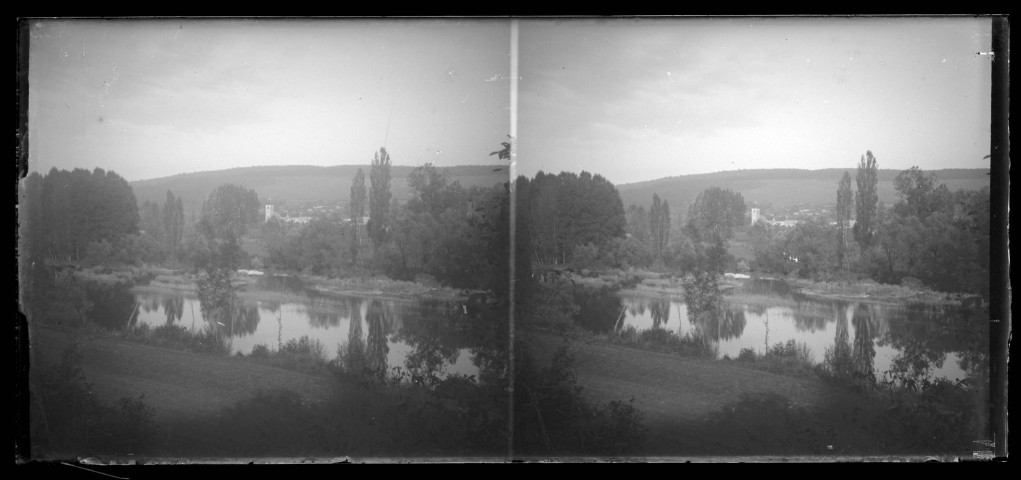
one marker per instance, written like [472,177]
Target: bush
[552,416]
[616,429]
[276,422]
[790,358]
[666,341]
[260,351]
[71,419]
[177,336]
[584,256]
[747,355]
[352,358]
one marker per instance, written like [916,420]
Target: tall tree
[358,197]
[711,221]
[173,221]
[379,198]
[866,202]
[225,219]
[568,210]
[659,224]
[152,219]
[638,224]
[920,195]
[844,199]
[80,207]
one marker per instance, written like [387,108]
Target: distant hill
[782,188]
[298,184]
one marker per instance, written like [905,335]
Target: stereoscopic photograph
[376,240]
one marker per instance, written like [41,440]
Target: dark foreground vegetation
[456,237]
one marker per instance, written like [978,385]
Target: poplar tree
[379,198]
[866,202]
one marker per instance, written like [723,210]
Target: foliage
[66,211]
[562,212]
[302,354]
[763,423]
[936,236]
[666,341]
[631,252]
[810,250]
[585,256]
[638,224]
[379,198]
[277,422]
[358,199]
[552,417]
[68,418]
[711,222]
[659,225]
[173,221]
[844,201]
[259,351]
[702,294]
[552,303]
[358,196]
[178,337]
[790,358]
[866,201]
[321,247]
[304,346]
[226,216]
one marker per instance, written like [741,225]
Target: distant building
[755,215]
[269,212]
[298,220]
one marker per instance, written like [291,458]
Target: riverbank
[374,286]
[695,407]
[209,407]
[664,285]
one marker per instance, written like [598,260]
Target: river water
[923,341]
[920,341]
[431,337]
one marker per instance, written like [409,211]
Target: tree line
[64,213]
[931,236]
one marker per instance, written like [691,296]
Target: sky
[631,99]
[642,99]
[154,98]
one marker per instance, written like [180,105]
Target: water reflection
[376,347]
[866,340]
[599,308]
[173,307]
[660,310]
[430,339]
[864,353]
[112,306]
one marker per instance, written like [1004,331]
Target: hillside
[781,188]
[298,184]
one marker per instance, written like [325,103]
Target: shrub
[72,419]
[662,340]
[260,351]
[616,430]
[747,355]
[788,358]
[276,422]
[552,416]
[585,256]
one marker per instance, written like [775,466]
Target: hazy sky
[160,97]
[631,99]
[643,99]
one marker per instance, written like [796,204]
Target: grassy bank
[163,279]
[867,290]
